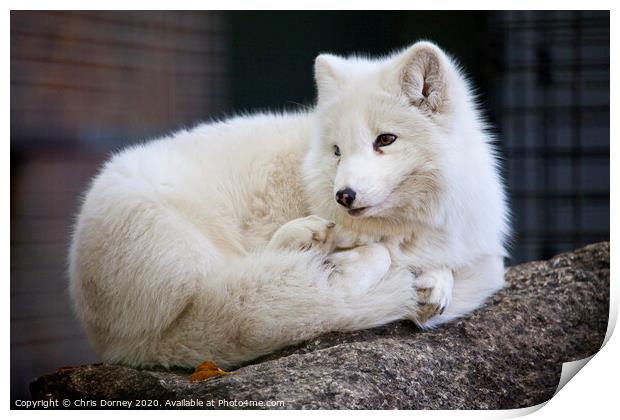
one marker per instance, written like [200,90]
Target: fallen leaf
[207,370]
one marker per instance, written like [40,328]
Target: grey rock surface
[507,354]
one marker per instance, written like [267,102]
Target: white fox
[233,239]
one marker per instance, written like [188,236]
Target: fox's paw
[359,268]
[434,294]
[312,232]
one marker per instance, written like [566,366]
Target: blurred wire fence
[554,122]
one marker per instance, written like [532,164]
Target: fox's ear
[327,75]
[423,74]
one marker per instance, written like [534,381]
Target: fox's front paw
[359,268]
[434,293]
[312,232]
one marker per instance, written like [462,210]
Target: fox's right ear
[424,76]
[327,75]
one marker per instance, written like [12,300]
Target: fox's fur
[217,243]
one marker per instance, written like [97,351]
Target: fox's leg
[434,293]
[472,285]
[358,268]
[271,299]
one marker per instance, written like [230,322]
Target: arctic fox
[233,239]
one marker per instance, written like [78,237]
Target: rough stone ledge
[508,354]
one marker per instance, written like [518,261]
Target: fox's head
[383,136]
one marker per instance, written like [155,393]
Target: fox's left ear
[328,75]
[423,75]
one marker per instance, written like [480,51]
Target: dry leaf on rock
[207,370]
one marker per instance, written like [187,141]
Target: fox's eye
[336,150]
[384,140]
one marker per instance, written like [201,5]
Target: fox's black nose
[345,197]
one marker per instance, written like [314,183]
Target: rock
[508,354]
